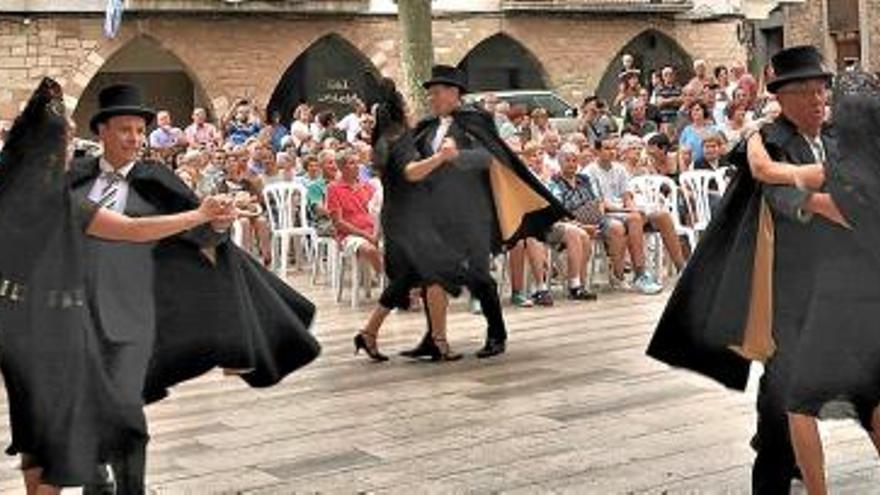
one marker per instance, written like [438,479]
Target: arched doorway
[652,50]
[501,63]
[166,82]
[328,75]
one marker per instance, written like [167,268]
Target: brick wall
[230,56]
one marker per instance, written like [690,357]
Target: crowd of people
[657,124]
[801,198]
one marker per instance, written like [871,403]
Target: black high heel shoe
[442,352]
[360,343]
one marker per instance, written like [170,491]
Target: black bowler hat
[798,63]
[447,75]
[120,99]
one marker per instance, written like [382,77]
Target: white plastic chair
[697,185]
[599,263]
[360,277]
[325,259]
[723,174]
[660,193]
[286,204]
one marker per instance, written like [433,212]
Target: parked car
[562,114]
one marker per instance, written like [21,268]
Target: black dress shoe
[492,348]
[442,352]
[425,349]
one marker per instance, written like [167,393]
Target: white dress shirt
[104,179]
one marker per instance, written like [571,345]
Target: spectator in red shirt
[347,203]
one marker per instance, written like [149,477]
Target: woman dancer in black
[416,255]
[64,412]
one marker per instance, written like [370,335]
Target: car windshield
[555,107]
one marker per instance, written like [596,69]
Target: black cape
[854,182]
[709,306]
[521,205]
[231,313]
[707,311]
[64,410]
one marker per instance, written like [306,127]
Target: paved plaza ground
[574,407]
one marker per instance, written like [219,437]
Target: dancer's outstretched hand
[448,150]
[218,209]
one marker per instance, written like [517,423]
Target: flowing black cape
[853,179]
[64,410]
[708,308]
[480,126]
[231,313]
[707,311]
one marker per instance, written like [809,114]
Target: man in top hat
[120,275]
[732,305]
[166,312]
[505,198]
[799,136]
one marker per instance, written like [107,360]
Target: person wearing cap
[754,269]
[157,322]
[506,202]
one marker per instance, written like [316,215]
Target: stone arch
[652,50]
[500,62]
[328,75]
[166,81]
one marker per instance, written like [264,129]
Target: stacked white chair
[660,193]
[698,186]
[285,204]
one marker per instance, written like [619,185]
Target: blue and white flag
[113,17]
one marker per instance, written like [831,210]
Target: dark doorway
[652,50]
[329,75]
[501,63]
[162,77]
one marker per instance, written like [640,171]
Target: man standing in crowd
[201,133]
[166,136]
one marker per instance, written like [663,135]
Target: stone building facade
[843,29]
[222,54]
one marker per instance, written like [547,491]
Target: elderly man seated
[611,181]
[575,191]
[348,202]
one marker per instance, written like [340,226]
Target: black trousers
[484,289]
[775,464]
[127,364]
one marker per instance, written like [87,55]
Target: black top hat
[448,76]
[797,63]
[120,99]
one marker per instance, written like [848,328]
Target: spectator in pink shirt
[201,133]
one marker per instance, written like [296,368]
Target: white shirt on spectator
[351,124]
[298,129]
[551,164]
[611,184]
